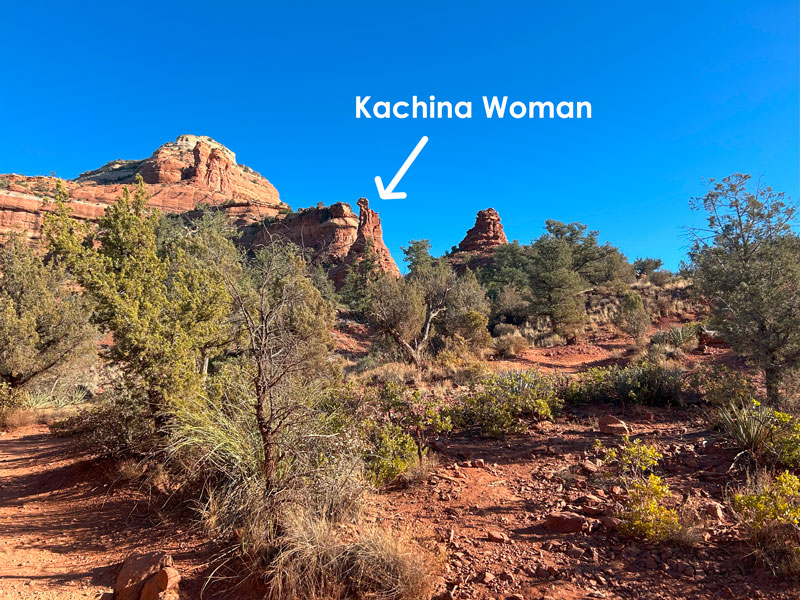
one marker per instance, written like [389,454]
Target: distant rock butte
[485,235]
[191,172]
[478,246]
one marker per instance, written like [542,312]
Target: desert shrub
[118,425]
[719,386]
[509,345]
[316,561]
[391,452]
[749,425]
[632,318]
[416,414]
[770,514]
[645,516]
[505,403]
[767,435]
[643,382]
[679,336]
[502,329]
[661,277]
[632,459]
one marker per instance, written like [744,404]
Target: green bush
[632,459]
[505,403]
[645,516]
[643,382]
[509,345]
[770,514]
[391,453]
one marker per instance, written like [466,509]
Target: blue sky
[680,91]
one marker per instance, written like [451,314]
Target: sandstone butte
[193,172]
[478,246]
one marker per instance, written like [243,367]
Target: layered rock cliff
[196,171]
[182,175]
[335,235]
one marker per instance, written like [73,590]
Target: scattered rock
[714,510]
[611,425]
[611,523]
[566,522]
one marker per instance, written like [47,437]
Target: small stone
[650,562]
[478,463]
[497,536]
[714,510]
[485,577]
[611,523]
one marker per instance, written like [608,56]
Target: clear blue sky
[680,91]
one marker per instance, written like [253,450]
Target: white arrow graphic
[388,192]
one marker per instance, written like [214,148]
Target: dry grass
[317,560]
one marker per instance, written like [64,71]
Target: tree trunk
[267,436]
[772,379]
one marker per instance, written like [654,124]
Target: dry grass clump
[317,560]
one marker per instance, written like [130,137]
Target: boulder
[135,572]
[566,522]
[611,425]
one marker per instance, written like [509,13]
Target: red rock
[162,586]
[478,246]
[194,171]
[135,571]
[485,235]
[610,522]
[497,536]
[611,425]
[714,510]
[566,522]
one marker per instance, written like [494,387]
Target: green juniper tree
[747,263]
[44,320]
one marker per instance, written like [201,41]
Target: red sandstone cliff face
[337,237]
[193,171]
[180,176]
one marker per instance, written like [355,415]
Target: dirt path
[65,527]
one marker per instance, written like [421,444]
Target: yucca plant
[749,426]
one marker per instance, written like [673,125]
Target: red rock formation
[337,237]
[478,246]
[196,170]
[181,175]
[370,230]
[485,235]
[329,231]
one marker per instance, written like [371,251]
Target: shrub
[632,459]
[119,425]
[643,382]
[644,515]
[661,277]
[748,425]
[632,318]
[770,513]
[503,403]
[679,336]
[509,345]
[720,386]
[391,452]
